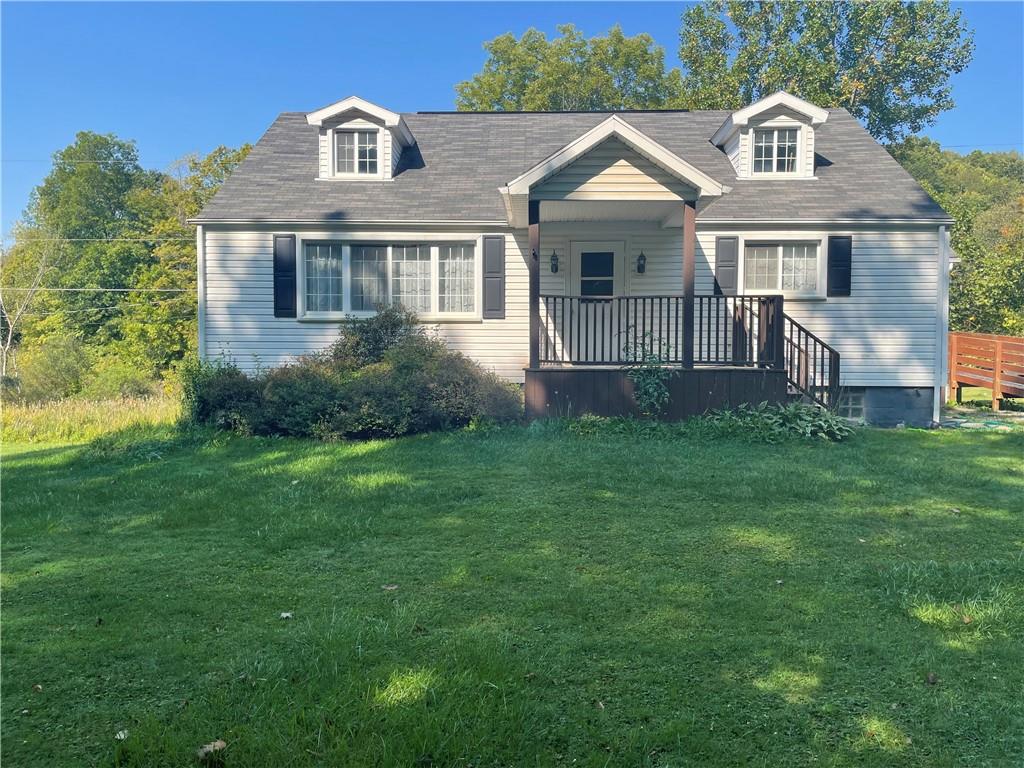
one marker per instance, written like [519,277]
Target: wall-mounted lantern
[641,263]
[554,261]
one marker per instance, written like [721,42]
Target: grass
[979,397]
[515,598]
[78,420]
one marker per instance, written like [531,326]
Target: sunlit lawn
[516,599]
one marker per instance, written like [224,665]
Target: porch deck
[723,351]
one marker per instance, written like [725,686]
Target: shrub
[295,399]
[112,376]
[218,393]
[763,423]
[364,340]
[420,385]
[770,423]
[51,370]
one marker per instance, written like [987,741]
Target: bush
[51,370]
[365,340]
[416,385]
[420,385]
[113,376]
[763,423]
[295,399]
[771,423]
[219,394]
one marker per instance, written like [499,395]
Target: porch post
[689,264]
[533,264]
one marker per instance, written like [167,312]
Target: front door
[597,275]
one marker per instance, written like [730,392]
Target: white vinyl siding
[239,322]
[885,330]
[612,170]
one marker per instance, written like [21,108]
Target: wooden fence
[987,360]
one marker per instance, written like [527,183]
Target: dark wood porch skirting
[554,392]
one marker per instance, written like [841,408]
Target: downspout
[201,290]
[942,324]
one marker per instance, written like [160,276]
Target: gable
[612,170]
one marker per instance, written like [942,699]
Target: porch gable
[613,171]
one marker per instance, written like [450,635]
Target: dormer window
[355,152]
[359,140]
[773,138]
[775,150]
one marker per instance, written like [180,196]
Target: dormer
[772,138]
[359,141]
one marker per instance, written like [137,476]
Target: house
[771,252]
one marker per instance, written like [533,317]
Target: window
[355,152]
[851,404]
[775,150]
[429,279]
[456,286]
[410,277]
[597,273]
[323,277]
[785,267]
[369,277]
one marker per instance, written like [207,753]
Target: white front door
[597,274]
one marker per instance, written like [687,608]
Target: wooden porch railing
[622,330]
[987,360]
[812,366]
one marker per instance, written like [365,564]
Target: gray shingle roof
[462,159]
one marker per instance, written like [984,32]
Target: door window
[597,273]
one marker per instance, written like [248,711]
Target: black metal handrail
[623,330]
[812,366]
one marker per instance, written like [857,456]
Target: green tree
[158,324]
[983,192]
[888,62]
[570,73]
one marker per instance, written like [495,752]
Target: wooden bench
[987,360]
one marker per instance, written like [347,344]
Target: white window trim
[347,240]
[801,148]
[780,239]
[332,150]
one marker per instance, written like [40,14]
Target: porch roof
[461,161]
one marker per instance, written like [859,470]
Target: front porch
[600,303]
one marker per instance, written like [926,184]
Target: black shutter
[284,276]
[840,261]
[494,278]
[726,265]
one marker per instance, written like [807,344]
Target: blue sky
[181,78]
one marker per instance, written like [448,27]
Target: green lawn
[550,600]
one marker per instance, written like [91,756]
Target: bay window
[788,268]
[433,280]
